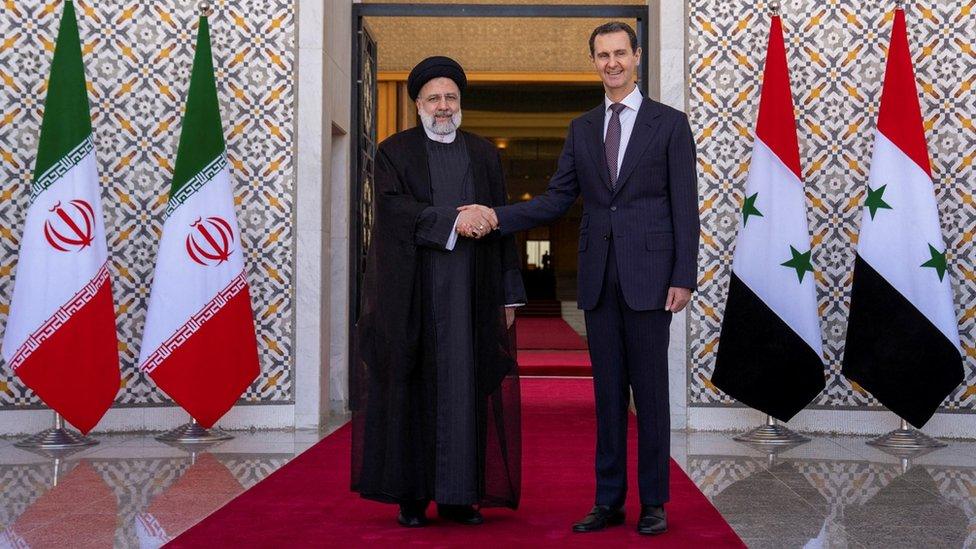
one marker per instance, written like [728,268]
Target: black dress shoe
[462,514]
[599,518]
[653,520]
[412,515]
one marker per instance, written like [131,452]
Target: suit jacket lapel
[594,142]
[645,128]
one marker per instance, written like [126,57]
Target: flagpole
[56,438]
[772,433]
[906,439]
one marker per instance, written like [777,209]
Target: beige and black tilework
[138,56]
[836,52]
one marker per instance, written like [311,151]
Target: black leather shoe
[412,515]
[599,518]
[653,520]
[462,514]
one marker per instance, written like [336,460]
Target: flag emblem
[57,229]
[209,241]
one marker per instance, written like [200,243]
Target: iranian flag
[199,344]
[60,337]
[769,351]
[902,334]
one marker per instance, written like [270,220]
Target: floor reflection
[130,491]
[838,492]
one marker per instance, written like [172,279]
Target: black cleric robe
[434,381]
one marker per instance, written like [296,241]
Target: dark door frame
[359,11]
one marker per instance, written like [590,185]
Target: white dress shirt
[627,118]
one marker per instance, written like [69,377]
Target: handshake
[476,221]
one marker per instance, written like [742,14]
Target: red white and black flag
[902,335]
[769,351]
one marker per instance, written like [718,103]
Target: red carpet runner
[308,503]
[550,347]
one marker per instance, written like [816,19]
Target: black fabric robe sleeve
[435,226]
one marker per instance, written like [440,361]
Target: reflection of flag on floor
[205,487]
[94,521]
[199,345]
[60,337]
[902,335]
[769,352]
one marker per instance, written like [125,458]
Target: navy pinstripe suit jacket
[652,216]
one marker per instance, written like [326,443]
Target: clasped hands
[476,221]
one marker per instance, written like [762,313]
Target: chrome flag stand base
[193,433]
[56,438]
[906,439]
[772,434]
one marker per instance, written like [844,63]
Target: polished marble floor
[133,491]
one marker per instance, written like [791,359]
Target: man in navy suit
[633,160]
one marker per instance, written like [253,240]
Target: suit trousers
[629,350]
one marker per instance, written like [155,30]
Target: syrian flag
[902,334]
[60,337]
[769,351]
[199,344]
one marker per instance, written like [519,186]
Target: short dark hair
[612,27]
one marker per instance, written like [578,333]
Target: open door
[364,151]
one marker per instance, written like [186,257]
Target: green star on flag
[875,201]
[938,261]
[800,262]
[749,208]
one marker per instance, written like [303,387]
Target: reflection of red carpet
[550,347]
[307,502]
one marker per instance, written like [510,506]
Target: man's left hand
[678,298]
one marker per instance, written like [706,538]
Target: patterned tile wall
[836,54]
[138,55]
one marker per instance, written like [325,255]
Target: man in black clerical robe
[434,382]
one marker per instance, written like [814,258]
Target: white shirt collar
[449,138]
[632,101]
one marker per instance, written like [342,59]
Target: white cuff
[513,305]
[452,240]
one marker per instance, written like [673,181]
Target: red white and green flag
[60,337]
[903,333]
[199,344]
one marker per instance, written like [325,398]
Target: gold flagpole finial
[774,7]
[206,10]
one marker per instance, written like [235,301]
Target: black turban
[435,67]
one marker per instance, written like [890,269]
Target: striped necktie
[611,144]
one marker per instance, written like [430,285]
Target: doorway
[525,113]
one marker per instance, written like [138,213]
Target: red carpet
[554,363]
[550,347]
[307,502]
[547,333]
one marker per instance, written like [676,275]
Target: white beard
[444,128]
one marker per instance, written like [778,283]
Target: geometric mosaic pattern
[842,487]
[136,483]
[138,56]
[836,53]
